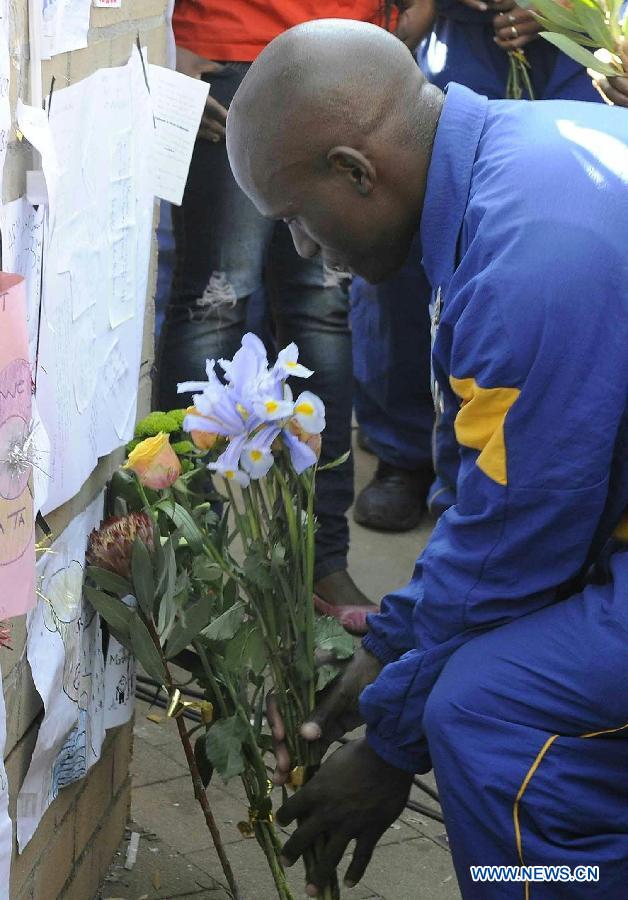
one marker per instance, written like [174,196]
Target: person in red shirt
[226,251]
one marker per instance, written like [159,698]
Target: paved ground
[176,859]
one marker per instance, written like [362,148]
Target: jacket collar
[449,180]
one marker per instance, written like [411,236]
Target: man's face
[367,235]
[355,234]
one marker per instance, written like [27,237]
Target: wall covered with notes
[76,351]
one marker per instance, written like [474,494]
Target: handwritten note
[64,651]
[64,26]
[17,541]
[119,680]
[178,103]
[5,107]
[22,229]
[96,272]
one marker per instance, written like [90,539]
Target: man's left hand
[356,795]
[515,27]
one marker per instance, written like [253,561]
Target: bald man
[504,663]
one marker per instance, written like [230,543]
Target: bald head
[335,108]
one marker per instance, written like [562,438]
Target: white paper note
[119,680]
[35,126]
[178,104]
[95,272]
[5,74]
[64,651]
[22,229]
[65,24]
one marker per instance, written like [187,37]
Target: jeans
[391,364]
[225,252]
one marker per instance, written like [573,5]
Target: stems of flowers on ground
[199,791]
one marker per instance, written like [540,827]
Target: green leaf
[257,571]
[330,636]
[189,626]
[557,14]
[184,521]
[229,592]
[113,611]
[123,484]
[146,651]
[335,463]
[246,650]
[109,581]
[592,23]
[203,569]
[224,746]
[142,572]
[169,572]
[205,768]
[575,36]
[325,675]
[575,51]
[226,625]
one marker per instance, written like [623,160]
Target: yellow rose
[202,440]
[154,462]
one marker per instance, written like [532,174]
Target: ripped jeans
[225,250]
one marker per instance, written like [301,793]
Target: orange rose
[313,441]
[202,440]
[154,462]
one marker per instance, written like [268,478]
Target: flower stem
[197,782]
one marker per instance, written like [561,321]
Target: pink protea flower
[111,545]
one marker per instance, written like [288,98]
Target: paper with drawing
[64,651]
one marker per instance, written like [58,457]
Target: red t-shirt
[237,30]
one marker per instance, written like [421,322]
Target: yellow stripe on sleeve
[480,423]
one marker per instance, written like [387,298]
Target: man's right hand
[212,126]
[336,714]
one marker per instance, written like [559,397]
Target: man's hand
[615,90]
[214,119]
[336,714]
[514,27]
[354,795]
[415,20]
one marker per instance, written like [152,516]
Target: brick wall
[75,842]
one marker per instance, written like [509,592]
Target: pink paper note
[17,531]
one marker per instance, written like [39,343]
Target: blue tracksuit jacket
[525,241]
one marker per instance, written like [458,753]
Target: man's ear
[355,166]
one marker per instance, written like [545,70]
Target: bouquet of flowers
[592,32]
[223,580]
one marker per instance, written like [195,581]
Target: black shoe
[394,500]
